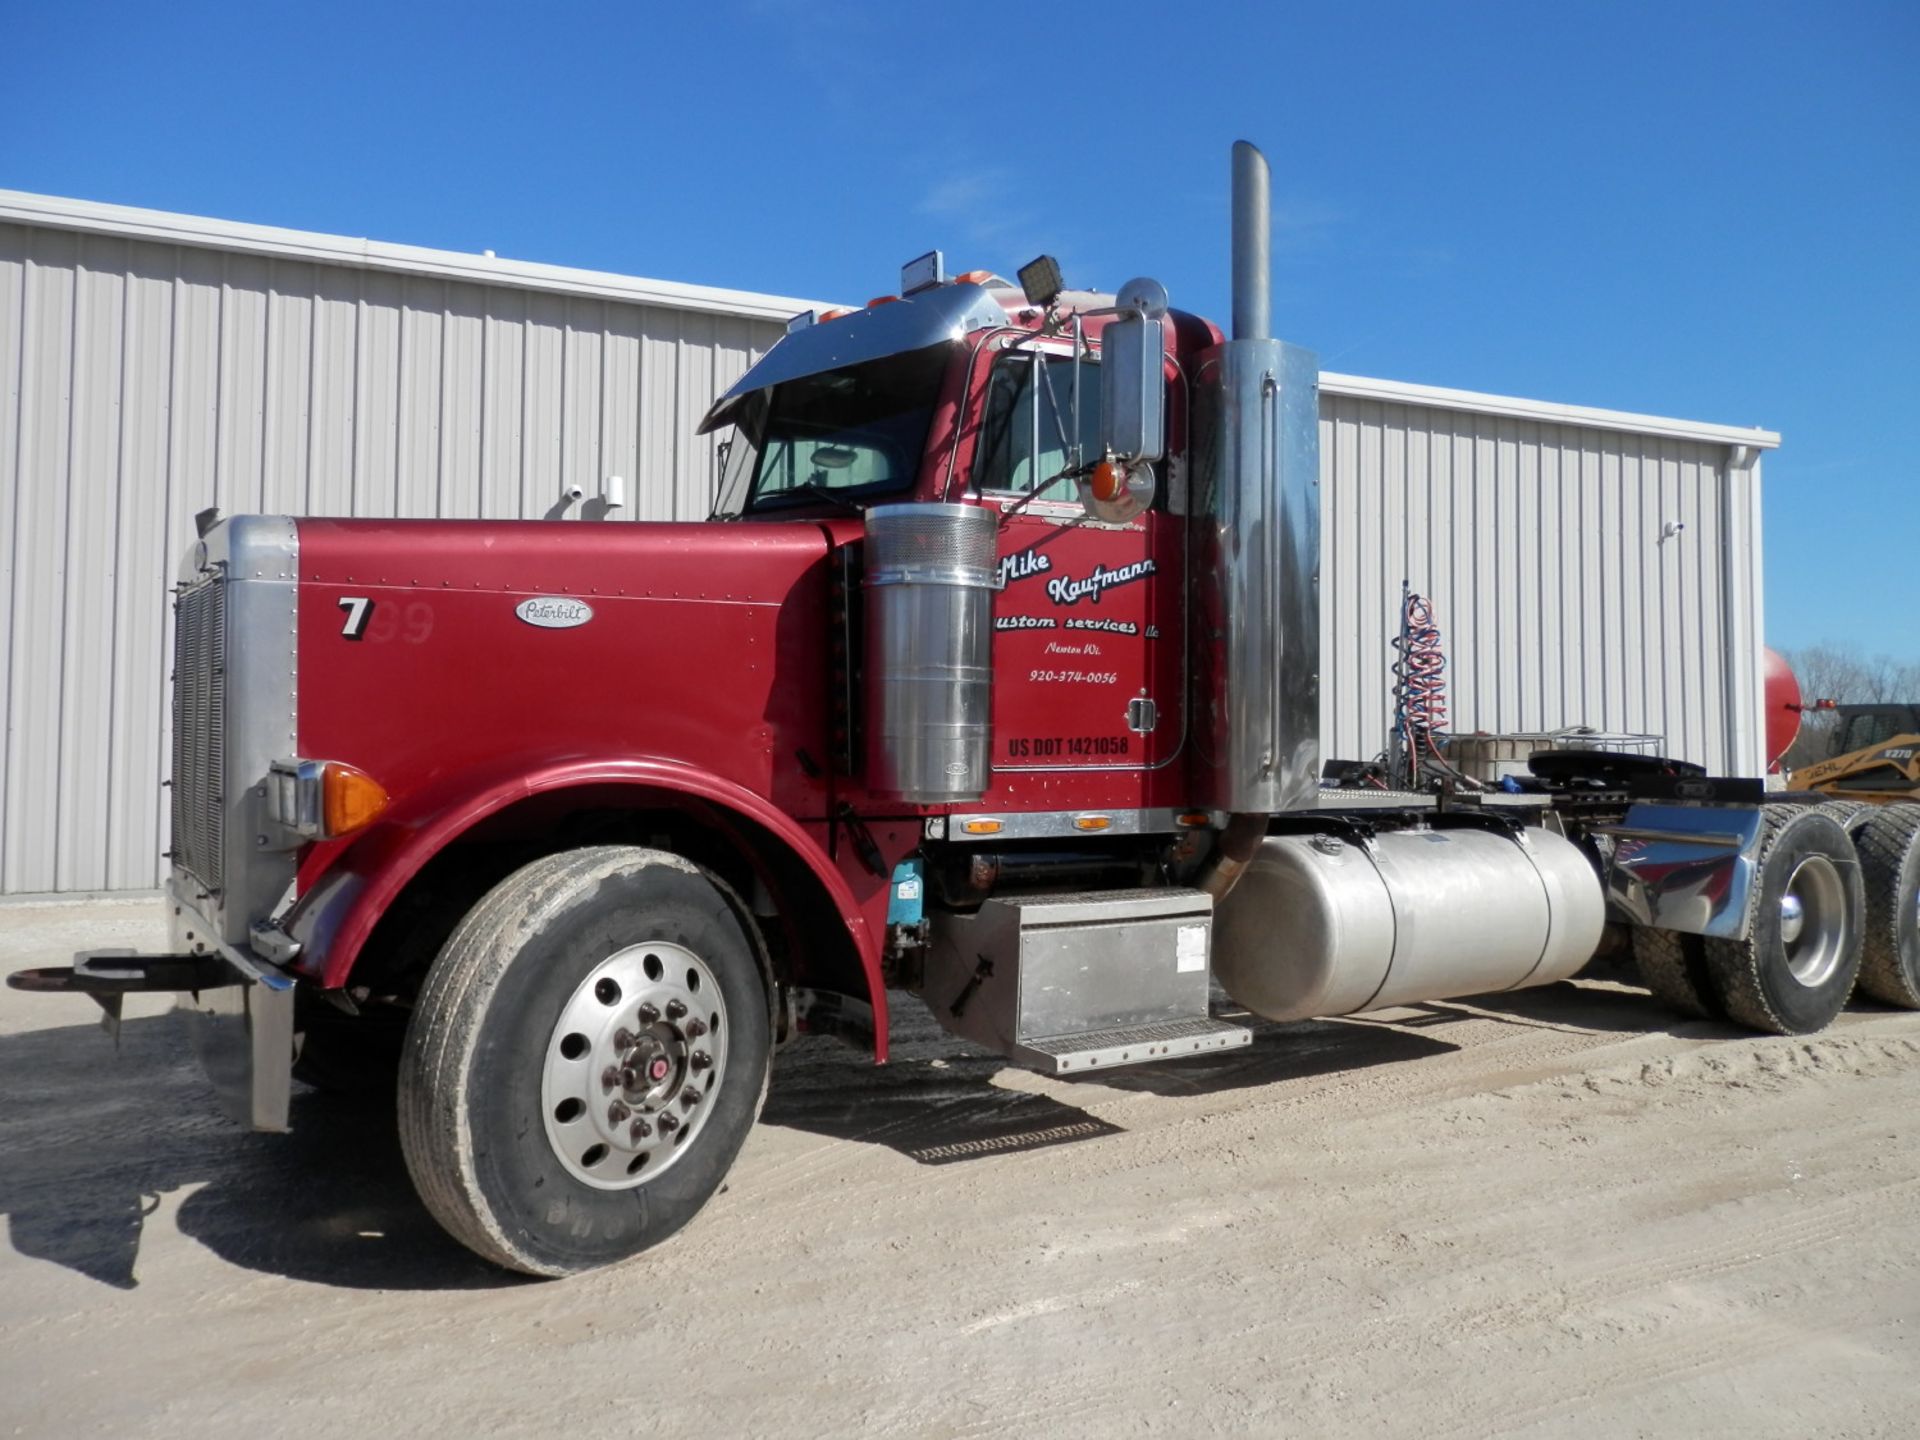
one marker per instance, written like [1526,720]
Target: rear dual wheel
[1889,846]
[585,1059]
[1792,973]
[1805,924]
[1673,965]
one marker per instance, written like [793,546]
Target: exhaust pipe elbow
[1232,853]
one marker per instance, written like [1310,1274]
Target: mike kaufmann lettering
[1023,622]
[1065,590]
[1022,563]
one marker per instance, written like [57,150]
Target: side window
[1870,729]
[1028,415]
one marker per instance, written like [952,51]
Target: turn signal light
[350,799]
[322,799]
[1108,481]
[1194,818]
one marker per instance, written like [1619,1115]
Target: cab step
[1130,1045]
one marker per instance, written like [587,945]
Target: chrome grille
[200,731]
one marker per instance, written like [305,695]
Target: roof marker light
[923,273]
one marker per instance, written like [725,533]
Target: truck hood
[428,650]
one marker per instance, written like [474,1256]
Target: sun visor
[871,334]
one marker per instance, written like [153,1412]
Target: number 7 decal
[359,608]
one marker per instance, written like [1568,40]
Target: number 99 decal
[365,620]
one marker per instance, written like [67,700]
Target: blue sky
[1704,210]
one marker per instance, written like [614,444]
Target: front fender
[334,918]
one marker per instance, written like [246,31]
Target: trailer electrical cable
[1420,693]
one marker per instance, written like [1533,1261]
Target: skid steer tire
[1805,924]
[585,1059]
[1889,846]
[1672,965]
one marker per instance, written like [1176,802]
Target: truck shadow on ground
[936,1102]
[1577,1008]
[92,1143]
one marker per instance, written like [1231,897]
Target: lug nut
[623,1039]
[610,1077]
[649,1013]
[696,1028]
[640,1130]
[669,1123]
[630,1078]
[700,1060]
[676,1009]
[689,1097]
[617,1112]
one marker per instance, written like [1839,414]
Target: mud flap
[243,1036]
[240,1017]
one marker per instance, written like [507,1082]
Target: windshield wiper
[815,489]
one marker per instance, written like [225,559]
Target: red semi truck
[993,680]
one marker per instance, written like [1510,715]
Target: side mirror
[1132,392]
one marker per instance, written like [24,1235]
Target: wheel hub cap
[633,1064]
[1813,921]
[1793,917]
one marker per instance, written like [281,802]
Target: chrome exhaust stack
[1252,245]
[1258,684]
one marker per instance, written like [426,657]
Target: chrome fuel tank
[1320,925]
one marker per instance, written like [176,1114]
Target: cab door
[1088,624]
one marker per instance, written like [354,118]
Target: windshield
[845,433]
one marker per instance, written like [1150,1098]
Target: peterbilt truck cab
[991,683]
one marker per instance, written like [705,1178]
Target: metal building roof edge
[166,227]
[1438,397]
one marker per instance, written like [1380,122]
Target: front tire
[585,1059]
[1794,971]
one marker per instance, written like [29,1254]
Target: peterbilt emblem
[554,612]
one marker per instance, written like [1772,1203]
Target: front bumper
[240,1009]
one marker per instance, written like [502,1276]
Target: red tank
[1783,708]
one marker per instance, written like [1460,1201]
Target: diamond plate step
[1131,1045]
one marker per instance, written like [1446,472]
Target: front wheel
[585,1059]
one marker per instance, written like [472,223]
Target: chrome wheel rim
[633,1065]
[1813,921]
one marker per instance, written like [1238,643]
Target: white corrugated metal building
[152,365]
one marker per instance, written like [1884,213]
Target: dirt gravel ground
[1560,1212]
